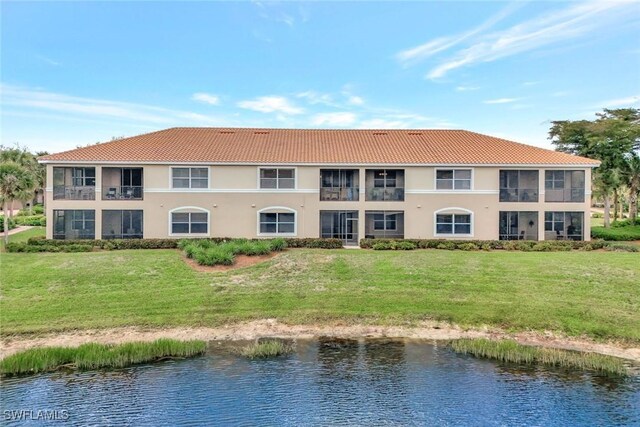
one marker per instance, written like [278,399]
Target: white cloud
[466,88]
[271,104]
[314,97]
[48,60]
[355,100]
[544,30]
[334,119]
[500,100]
[37,100]
[620,102]
[441,44]
[207,98]
[531,83]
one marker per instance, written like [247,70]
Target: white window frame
[453,169]
[277,209]
[277,189]
[190,188]
[189,209]
[452,211]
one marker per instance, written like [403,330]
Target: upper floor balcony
[122,184]
[339,185]
[384,185]
[74,183]
[519,186]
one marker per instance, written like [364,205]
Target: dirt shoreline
[272,328]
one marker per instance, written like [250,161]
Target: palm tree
[15,181]
[631,177]
[24,158]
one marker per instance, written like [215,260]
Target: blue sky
[78,73]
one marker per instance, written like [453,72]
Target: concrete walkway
[20,229]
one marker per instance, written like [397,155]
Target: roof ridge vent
[260,132]
[227,132]
[414,133]
[380,133]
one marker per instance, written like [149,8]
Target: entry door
[341,225]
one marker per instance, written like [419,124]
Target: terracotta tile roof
[316,146]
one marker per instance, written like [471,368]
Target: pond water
[328,382]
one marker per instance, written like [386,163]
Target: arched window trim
[187,209]
[276,209]
[453,211]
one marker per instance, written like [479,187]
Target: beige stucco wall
[234,200]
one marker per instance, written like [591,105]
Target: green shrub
[214,256]
[33,220]
[619,233]
[76,248]
[617,247]
[12,223]
[278,244]
[468,246]
[38,209]
[597,215]
[314,243]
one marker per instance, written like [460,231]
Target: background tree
[612,138]
[631,177]
[15,181]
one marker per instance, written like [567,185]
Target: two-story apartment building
[346,184]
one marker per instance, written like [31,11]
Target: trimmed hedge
[33,220]
[509,245]
[617,232]
[120,244]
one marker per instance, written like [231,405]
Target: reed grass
[97,356]
[265,349]
[511,351]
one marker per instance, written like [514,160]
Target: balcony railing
[125,192]
[348,194]
[518,195]
[385,194]
[74,192]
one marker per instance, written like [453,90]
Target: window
[74,224]
[385,222]
[453,179]
[453,223]
[563,225]
[83,177]
[564,186]
[385,178]
[190,177]
[189,222]
[277,178]
[518,186]
[277,222]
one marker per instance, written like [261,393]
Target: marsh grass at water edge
[512,352]
[98,356]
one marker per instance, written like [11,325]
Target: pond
[327,382]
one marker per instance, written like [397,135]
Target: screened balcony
[72,224]
[339,185]
[564,186]
[122,224]
[384,185]
[518,225]
[74,183]
[122,184]
[384,225]
[518,186]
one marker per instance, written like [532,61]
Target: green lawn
[23,236]
[592,293]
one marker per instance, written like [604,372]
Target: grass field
[591,293]
[23,236]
